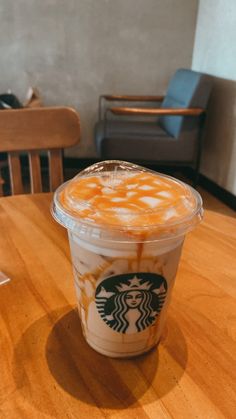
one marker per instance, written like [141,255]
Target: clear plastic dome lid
[120,196]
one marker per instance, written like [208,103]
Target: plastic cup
[126,228]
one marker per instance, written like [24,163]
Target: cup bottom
[112,354]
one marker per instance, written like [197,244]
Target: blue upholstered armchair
[174,135]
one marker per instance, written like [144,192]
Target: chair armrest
[127,98]
[133,98]
[156,112]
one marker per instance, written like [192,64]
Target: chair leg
[1,183]
[199,151]
[196,175]
[1,186]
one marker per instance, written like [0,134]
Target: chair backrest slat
[15,173]
[55,168]
[32,131]
[35,172]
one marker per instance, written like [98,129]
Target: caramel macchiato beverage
[126,228]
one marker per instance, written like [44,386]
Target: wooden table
[47,369]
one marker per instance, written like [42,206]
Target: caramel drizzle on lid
[133,200]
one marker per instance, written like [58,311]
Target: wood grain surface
[50,127]
[48,370]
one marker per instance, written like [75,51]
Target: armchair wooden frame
[125,98]
[156,112]
[32,131]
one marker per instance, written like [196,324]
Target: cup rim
[182,225]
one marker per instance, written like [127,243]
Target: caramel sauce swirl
[128,200]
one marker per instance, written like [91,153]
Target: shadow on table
[90,377]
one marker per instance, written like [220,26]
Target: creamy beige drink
[126,228]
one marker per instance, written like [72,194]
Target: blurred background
[74,51]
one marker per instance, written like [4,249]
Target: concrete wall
[75,50]
[215,53]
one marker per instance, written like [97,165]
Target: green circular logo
[129,303]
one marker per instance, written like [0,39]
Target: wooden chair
[32,131]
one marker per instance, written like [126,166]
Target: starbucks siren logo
[129,303]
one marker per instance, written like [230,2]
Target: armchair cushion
[119,128]
[159,148]
[187,89]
